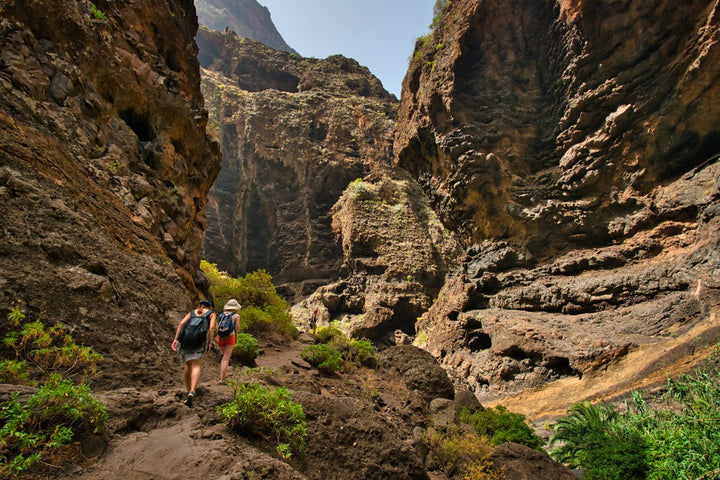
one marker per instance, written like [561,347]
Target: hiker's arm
[211,331]
[174,344]
[236,320]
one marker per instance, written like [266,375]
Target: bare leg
[194,367]
[186,376]
[225,362]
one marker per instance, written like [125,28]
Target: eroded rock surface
[247,18]
[295,132]
[307,191]
[104,172]
[573,148]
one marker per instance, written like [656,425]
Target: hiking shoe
[189,399]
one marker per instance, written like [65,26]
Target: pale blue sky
[379,34]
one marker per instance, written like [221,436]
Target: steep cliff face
[247,18]
[573,146]
[307,192]
[552,124]
[294,133]
[104,171]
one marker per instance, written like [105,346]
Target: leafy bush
[266,413]
[47,349]
[462,454]
[677,443]
[246,348]
[263,310]
[96,12]
[501,426]
[323,357]
[593,441]
[334,347]
[362,352]
[269,319]
[438,10]
[14,372]
[329,334]
[39,427]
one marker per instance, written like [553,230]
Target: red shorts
[229,340]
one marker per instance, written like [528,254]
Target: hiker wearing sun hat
[193,339]
[228,324]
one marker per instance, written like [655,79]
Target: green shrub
[49,349]
[501,426]
[96,12]
[263,310]
[680,442]
[323,357]
[36,428]
[14,372]
[438,10]
[329,334]
[462,454]
[267,413]
[270,319]
[685,443]
[362,352]
[246,349]
[592,440]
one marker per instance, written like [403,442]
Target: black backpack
[194,333]
[226,325]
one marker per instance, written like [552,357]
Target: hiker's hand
[174,345]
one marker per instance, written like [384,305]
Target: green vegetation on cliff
[681,442]
[43,426]
[263,310]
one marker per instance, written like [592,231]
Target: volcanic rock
[572,147]
[104,173]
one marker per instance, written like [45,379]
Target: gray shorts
[195,353]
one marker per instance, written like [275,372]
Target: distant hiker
[313,321]
[228,324]
[193,339]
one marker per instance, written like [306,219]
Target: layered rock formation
[306,191]
[247,18]
[104,172]
[573,147]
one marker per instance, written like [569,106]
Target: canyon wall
[104,172]
[307,190]
[573,149]
[247,18]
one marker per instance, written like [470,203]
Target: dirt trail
[155,436]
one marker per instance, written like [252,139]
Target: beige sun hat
[232,305]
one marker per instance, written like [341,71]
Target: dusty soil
[153,435]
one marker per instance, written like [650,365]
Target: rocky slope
[104,172]
[247,18]
[307,192]
[573,148]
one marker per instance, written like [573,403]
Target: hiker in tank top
[228,324]
[193,339]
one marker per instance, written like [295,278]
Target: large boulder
[524,463]
[418,369]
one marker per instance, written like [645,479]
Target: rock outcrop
[307,191]
[104,172]
[247,18]
[573,148]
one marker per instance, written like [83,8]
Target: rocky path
[153,435]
